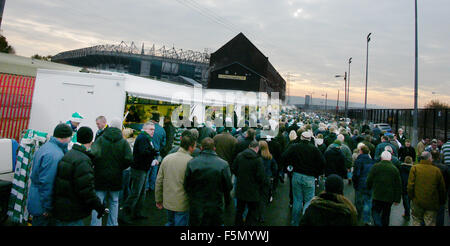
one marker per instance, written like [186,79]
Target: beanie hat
[85,135]
[76,117]
[62,131]
[334,184]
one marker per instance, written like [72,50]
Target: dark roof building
[239,65]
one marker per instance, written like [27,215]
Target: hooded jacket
[363,165]
[250,176]
[330,209]
[335,162]
[112,154]
[74,194]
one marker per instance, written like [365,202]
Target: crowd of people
[197,172]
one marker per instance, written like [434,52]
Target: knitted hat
[85,135]
[62,131]
[334,184]
[76,117]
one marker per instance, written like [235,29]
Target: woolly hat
[76,117]
[334,184]
[85,135]
[62,131]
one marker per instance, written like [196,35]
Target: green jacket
[385,182]
[426,186]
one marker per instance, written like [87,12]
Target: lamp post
[348,83]
[416,111]
[367,70]
[345,91]
[326,95]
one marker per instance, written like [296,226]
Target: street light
[367,71]
[345,91]
[348,83]
[326,95]
[416,111]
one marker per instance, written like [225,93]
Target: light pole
[348,83]
[416,111]
[367,70]
[337,105]
[326,95]
[345,91]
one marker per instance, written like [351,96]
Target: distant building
[307,100]
[165,64]
[239,65]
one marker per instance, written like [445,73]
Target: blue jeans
[152,174]
[125,185]
[70,223]
[406,204]
[363,202]
[177,218]
[113,208]
[303,187]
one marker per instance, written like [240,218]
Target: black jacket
[329,209]
[112,155]
[170,136]
[207,183]
[305,159]
[330,138]
[335,163]
[143,153]
[406,151]
[74,196]
[250,176]
[241,146]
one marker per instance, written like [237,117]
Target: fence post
[425,123]
[446,125]
[434,123]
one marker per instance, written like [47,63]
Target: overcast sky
[310,39]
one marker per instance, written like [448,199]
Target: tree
[5,47]
[436,104]
[44,58]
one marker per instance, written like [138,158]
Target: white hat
[306,135]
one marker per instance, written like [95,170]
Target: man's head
[400,131]
[251,134]
[194,133]
[334,184]
[155,117]
[116,123]
[434,144]
[76,119]
[386,156]
[389,148]
[101,122]
[149,128]
[208,144]
[306,135]
[426,156]
[63,133]
[427,140]
[364,150]
[254,145]
[188,143]
[408,160]
[408,143]
[384,139]
[341,138]
[435,155]
[85,136]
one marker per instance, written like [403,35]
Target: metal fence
[16,94]
[433,123]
